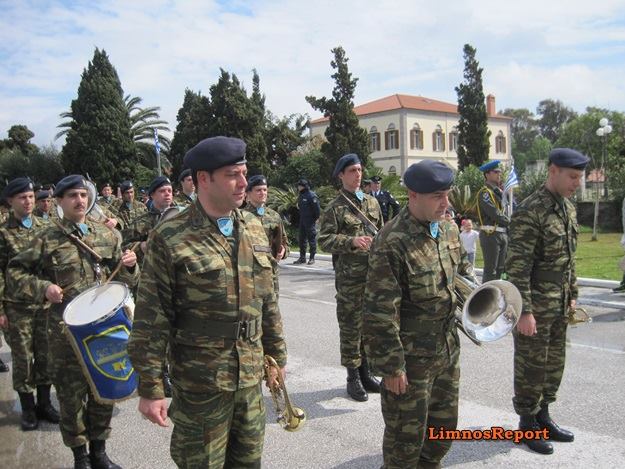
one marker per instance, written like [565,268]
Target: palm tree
[143,122]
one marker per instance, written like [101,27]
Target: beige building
[406,129]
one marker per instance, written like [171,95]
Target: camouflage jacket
[126,214]
[194,289]
[489,207]
[39,213]
[339,225]
[410,302]
[274,228]
[14,238]
[107,203]
[183,199]
[541,252]
[53,258]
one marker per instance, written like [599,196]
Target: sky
[571,50]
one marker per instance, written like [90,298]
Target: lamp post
[604,129]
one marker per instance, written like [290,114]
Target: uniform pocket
[263,274]
[202,278]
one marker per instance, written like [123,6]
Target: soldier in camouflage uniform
[256,199]
[106,200]
[541,264]
[187,195]
[347,227]
[26,320]
[56,268]
[45,207]
[493,222]
[126,207]
[207,291]
[409,321]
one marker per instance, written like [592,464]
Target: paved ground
[341,433]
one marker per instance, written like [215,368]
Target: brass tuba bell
[489,311]
[291,418]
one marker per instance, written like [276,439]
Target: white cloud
[530,50]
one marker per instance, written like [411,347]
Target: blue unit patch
[107,352]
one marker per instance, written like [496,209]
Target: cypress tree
[99,141]
[473,133]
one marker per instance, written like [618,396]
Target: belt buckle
[242,328]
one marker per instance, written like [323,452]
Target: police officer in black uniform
[309,211]
[387,202]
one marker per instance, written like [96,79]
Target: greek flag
[512,180]
[156,144]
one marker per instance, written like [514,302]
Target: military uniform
[107,202]
[53,258]
[409,326]
[139,229]
[183,200]
[309,210]
[127,212]
[493,231]
[541,264]
[46,216]
[27,319]
[388,204]
[211,297]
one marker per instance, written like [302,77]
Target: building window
[392,171]
[391,138]
[416,138]
[374,139]
[438,139]
[500,143]
[453,140]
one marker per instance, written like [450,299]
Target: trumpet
[291,418]
[578,315]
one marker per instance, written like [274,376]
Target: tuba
[577,316]
[291,418]
[487,312]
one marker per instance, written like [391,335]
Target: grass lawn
[595,259]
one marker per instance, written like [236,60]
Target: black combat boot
[44,409]
[555,432]
[4,368]
[300,261]
[354,386]
[369,382]
[528,422]
[99,459]
[81,457]
[29,415]
[311,261]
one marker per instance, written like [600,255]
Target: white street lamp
[603,131]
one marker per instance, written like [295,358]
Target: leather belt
[227,330]
[491,228]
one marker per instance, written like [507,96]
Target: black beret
[40,195]
[568,158]
[257,180]
[106,184]
[345,161]
[376,179]
[158,181]
[126,185]
[73,181]
[303,182]
[214,153]
[428,176]
[184,174]
[17,186]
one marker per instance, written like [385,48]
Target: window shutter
[412,139]
[451,144]
[396,139]
[420,139]
[377,142]
[434,142]
[443,141]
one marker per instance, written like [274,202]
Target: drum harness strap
[85,248]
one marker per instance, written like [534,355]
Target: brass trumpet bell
[289,417]
[578,315]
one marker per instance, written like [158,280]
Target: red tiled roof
[402,101]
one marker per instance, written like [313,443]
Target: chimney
[490,105]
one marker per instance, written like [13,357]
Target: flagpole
[157,148]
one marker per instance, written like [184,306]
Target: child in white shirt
[469,236]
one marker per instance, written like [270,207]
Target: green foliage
[554,115]
[344,134]
[463,194]
[307,166]
[473,133]
[19,139]
[470,176]
[99,142]
[194,120]
[143,122]
[42,166]
[530,182]
[283,137]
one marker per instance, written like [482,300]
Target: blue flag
[512,180]
[156,144]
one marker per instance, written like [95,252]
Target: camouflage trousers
[29,347]
[217,429]
[494,247]
[431,400]
[83,419]
[539,364]
[350,292]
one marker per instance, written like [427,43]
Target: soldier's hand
[281,252]
[4,321]
[54,294]
[573,304]
[396,384]
[527,324]
[155,410]
[272,379]
[144,246]
[362,242]
[111,223]
[129,258]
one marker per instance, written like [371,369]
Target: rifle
[369,225]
